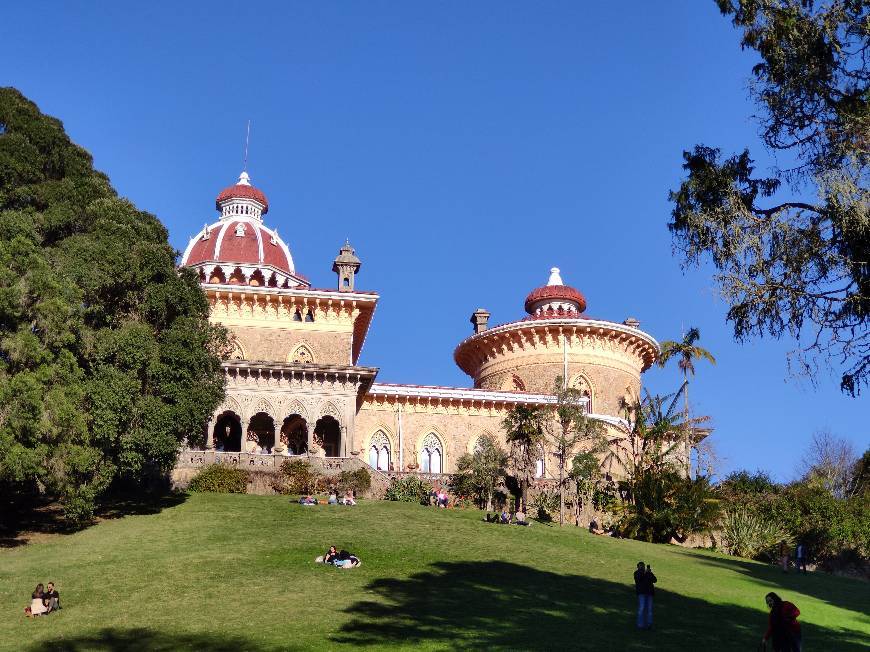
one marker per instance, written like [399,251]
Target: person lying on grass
[342,559]
[308,500]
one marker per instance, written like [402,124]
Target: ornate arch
[263,405]
[329,409]
[230,405]
[296,407]
[236,350]
[583,384]
[301,354]
[474,442]
[432,452]
[379,450]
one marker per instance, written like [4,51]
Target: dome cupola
[555,299]
[242,199]
[239,249]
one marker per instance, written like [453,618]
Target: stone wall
[277,345]
[458,429]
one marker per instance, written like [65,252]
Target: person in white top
[37,606]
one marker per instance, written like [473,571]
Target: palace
[294,385]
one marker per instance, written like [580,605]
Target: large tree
[570,428]
[107,358]
[525,432]
[792,247]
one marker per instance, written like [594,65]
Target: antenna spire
[247,141]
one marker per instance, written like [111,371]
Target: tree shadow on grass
[500,605]
[842,592]
[24,521]
[147,640]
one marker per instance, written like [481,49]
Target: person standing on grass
[783,555]
[643,586]
[783,629]
[801,558]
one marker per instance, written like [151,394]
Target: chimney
[479,319]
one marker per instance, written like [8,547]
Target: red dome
[241,191]
[242,242]
[555,293]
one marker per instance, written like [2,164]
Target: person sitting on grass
[594,528]
[331,555]
[348,497]
[505,517]
[37,604]
[333,499]
[51,598]
[521,518]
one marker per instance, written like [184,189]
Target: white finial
[244,179]
[555,279]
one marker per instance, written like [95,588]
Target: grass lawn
[235,572]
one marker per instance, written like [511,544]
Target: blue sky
[464,148]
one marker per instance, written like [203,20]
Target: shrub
[220,479]
[297,477]
[359,481]
[409,489]
[546,503]
[748,534]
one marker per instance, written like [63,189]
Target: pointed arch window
[432,455]
[301,355]
[379,451]
[583,385]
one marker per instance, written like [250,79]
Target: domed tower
[602,359]
[292,378]
[239,249]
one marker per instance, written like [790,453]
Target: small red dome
[555,293]
[242,191]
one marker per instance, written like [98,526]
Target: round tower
[602,359]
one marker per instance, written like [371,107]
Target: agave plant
[746,534]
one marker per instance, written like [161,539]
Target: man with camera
[643,586]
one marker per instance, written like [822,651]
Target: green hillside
[236,572]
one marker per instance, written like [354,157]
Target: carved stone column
[209,433]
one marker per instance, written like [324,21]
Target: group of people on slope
[439,498]
[43,601]
[507,518]
[339,558]
[333,499]
[783,629]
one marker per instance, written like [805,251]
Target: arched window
[301,355]
[582,384]
[432,454]
[379,451]
[540,467]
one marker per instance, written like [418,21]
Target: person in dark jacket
[643,586]
[783,629]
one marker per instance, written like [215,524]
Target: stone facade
[293,381]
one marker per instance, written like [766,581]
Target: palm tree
[685,353]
